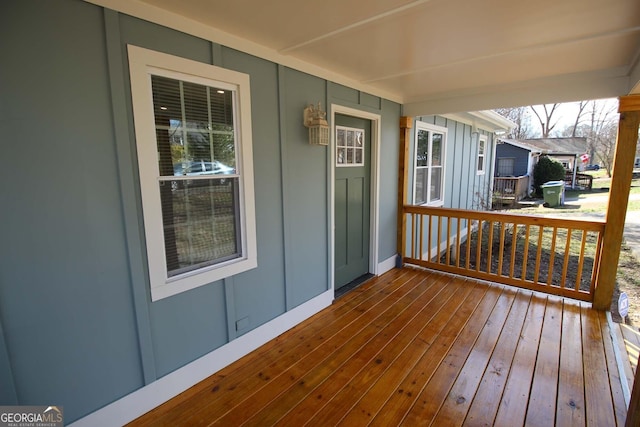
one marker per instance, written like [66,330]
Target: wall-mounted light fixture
[316,120]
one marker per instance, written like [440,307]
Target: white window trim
[142,64]
[482,139]
[430,128]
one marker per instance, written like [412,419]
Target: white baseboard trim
[152,395]
[386,265]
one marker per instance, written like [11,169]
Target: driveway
[631,224]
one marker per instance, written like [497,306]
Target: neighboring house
[565,150]
[518,157]
[125,276]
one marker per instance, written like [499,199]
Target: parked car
[592,167]
[202,168]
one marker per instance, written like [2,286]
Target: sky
[566,114]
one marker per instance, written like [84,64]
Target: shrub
[546,170]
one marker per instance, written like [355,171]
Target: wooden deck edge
[619,361]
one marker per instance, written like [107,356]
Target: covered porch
[417,347]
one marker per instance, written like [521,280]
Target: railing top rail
[580,224]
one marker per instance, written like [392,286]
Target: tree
[581,107]
[547,122]
[522,118]
[546,170]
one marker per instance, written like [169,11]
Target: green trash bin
[553,192]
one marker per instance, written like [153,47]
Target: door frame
[376,120]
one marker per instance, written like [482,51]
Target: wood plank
[369,370]
[619,402]
[525,256]
[632,345]
[483,409]
[343,311]
[446,323]
[536,273]
[626,363]
[570,406]
[405,395]
[490,248]
[383,354]
[513,406]
[598,401]
[542,401]
[317,387]
[565,263]
[324,358]
[257,374]
[438,390]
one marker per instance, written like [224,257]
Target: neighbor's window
[430,147]
[193,139]
[482,146]
[506,166]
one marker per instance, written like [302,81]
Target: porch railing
[583,180]
[555,256]
[509,190]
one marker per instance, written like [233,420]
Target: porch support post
[629,108]
[403,182]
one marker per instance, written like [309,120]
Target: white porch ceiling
[441,56]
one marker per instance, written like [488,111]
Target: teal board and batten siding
[464,188]
[77,325]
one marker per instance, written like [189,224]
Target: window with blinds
[195,170]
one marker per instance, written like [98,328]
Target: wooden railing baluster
[567,255]
[448,240]
[490,246]
[552,255]
[525,255]
[514,244]
[583,245]
[479,245]
[549,231]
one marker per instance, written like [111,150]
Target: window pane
[505,166]
[436,150]
[340,156]
[196,107]
[480,163]
[422,152]
[194,123]
[200,223]
[340,138]
[350,138]
[481,147]
[436,184]
[359,160]
[421,185]
[350,156]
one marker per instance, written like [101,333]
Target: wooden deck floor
[420,348]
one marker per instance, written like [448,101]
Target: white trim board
[376,135]
[143,400]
